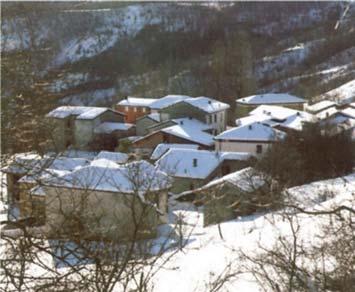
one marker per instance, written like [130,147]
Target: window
[135,109]
[194,162]
[144,109]
[68,123]
[215,118]
[259,149]
[126,108]
[208,119]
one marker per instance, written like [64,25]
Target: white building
[254,138]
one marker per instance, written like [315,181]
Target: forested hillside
[96,53]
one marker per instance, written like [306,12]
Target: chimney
[190,118]
[194,162]
[209,102]
[250,127]
[181,122]
[298,113]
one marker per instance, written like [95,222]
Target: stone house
[145,123]
[75,125]
[134,108]
[104,201]
[32,196]
[192,168]
[237,194]
[254,138]
[207,110]
[246,104]
[20,165]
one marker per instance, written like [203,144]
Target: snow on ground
[286,60]
[118,24]
[206,255]
[91,98]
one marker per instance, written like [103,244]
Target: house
[246,104]
[339,122]
[108,134]
[207,110]
[108,201]
[254,138]
[182,131]
[134,107]
[192,168]
[236,194]
[27,172]
[162,148]
[144,123]
[20,165]
[75,125]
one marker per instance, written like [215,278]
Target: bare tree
[90,243]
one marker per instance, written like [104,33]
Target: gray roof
[270,98]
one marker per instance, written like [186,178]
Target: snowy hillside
[208,256]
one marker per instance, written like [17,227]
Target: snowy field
[213,252]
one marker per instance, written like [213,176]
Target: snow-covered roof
[252,132]
[74,153]
[319,106]
[251,119]
[105,163]
[247,180]
[43,176]
[135,177]
[137,101]
[81,112]
[22,163]
[207,104]
[190,133]
[273,112]
[168,101]
[155,117]
[109,127]
[117,157]
[180,162]
[296,121]
[270,98]
[273,115]
[192,123]
[163,148]
[319,191]
[53,168]
[326,113]
[350,112]
[66,163]
[342,94]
